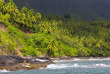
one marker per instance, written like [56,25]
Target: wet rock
[6,61]
[17,58]
[13,62]
[39,60]
[44,58]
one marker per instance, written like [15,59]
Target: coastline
[14,63]
[80,58]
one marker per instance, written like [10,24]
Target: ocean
[90,66]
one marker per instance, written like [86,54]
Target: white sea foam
[56,66]
[41,60]
[62,60]
[75,65]
[61,66]
[95,59]
[100,59]
[81,59]
[76,59]
[4,70]
[102,65]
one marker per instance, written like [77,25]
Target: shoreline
[14,63]
[29,63]
[81,58]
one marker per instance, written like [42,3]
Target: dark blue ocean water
[71,67]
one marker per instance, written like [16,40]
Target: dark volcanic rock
[13,62]
[39,60]
[7,60]
[18,59]
[44,58]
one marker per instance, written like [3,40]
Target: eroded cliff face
[1,52]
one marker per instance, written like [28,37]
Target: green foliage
[7,43]
[11,48]
[5,18]
[51,36]
[38,16]
[1,4]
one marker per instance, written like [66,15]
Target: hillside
[26,33]
[86,9]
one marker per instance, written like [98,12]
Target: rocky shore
[13,63]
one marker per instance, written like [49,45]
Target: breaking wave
[75,59]
[62,66]
[4,70]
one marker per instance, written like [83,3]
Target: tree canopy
[51,35]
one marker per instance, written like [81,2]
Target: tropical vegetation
[35,34]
